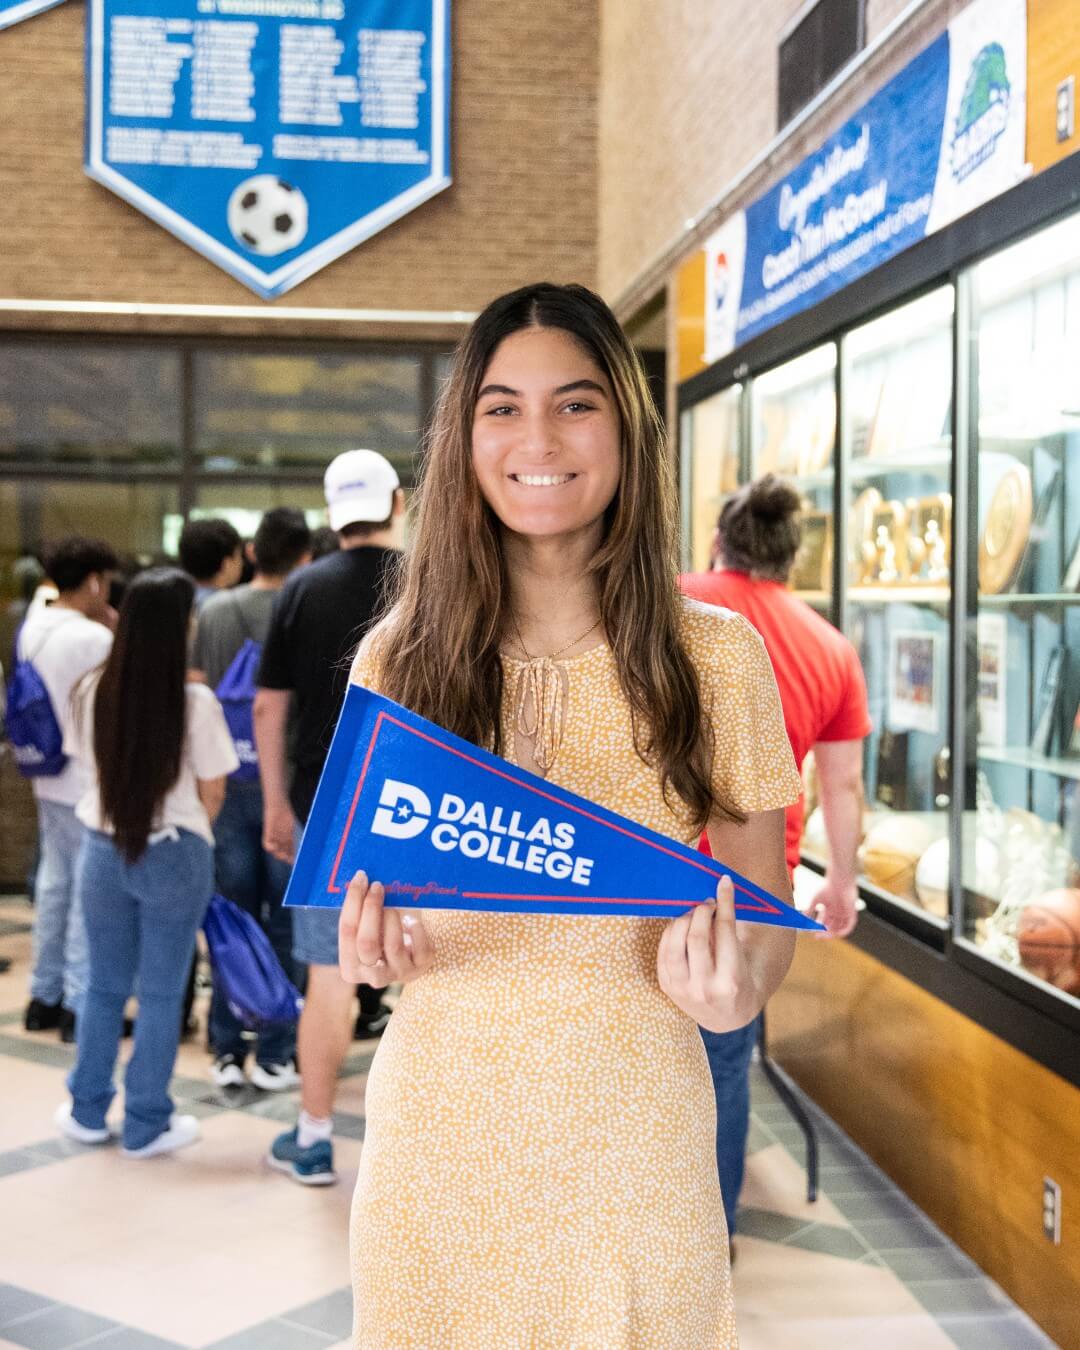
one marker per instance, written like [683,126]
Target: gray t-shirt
[225,622]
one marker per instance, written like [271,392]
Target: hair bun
[771,499]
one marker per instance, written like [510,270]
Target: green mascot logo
[984,111]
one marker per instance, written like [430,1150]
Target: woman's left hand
[703,968]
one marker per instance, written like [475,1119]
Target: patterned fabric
[539,1170]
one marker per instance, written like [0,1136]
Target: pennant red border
[754,903]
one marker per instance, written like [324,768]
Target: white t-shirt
[63,645]
[208,753]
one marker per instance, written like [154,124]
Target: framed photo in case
[1045,721]
[813,562]
[913,685]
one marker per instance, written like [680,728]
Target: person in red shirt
[823,695]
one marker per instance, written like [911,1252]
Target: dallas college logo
[403,811]
[983,113]
[479,830]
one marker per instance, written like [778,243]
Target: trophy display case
[898,444]
[793,434]
[934,436]
[1021,835]
[711,465]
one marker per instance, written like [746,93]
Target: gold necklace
[543,686]
[554,655]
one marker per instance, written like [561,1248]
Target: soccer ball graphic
[267,215]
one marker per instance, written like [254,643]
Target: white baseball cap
[359,487]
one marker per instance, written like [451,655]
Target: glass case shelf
[1024,758]
[938,596]
[920,460]
[1048,600]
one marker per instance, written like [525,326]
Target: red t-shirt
[822,689]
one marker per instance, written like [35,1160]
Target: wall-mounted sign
[12,11]
[272,136]
[943,136]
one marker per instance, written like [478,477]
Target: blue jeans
[59,941]
[141,920]
[729,1055]
[255,880]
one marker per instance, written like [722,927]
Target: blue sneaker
[312,1166]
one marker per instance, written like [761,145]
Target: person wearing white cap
[322,612]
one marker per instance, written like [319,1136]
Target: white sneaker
[228,1071]
[275,1077]
[183,1130]
[82,1134]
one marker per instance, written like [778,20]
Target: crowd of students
[133,844]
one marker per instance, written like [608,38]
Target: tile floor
[208,1248]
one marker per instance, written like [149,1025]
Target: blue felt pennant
[445,825]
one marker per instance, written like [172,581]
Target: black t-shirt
[320,615]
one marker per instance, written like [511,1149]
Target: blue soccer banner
[445,825]
[272,136]
[944,135]
[13,11]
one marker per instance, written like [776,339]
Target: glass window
[898,439]
[243,505]
[711,467]
[70,403]
[1021,857]
[281,410]
[794,434]
[35,514]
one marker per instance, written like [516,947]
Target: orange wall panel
[1053,55]
[964,1123]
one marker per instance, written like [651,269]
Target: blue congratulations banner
[444,825]
[272,136]
[946,134]
[13,11]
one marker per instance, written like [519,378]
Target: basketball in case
[892,849]
[1049,939]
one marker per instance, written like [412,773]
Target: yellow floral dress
[539,1169]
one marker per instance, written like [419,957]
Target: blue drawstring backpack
[236,694]
[246,969]
[31,722]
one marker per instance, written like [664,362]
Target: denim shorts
[314,940]
[314,935]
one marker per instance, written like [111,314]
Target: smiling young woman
[540,1118]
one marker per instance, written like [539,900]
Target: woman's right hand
[379,946]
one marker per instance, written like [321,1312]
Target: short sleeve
[275,664]
[851,721]
[209,745]
[753,767]
[367,666]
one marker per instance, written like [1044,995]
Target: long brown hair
[140,705]
[439,646]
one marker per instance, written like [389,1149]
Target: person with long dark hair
[159,751]
[540,1116]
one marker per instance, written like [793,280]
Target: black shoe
[42,1016]
[372,1024]
[67,1026]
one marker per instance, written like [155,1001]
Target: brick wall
[522,206]
[688,99]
